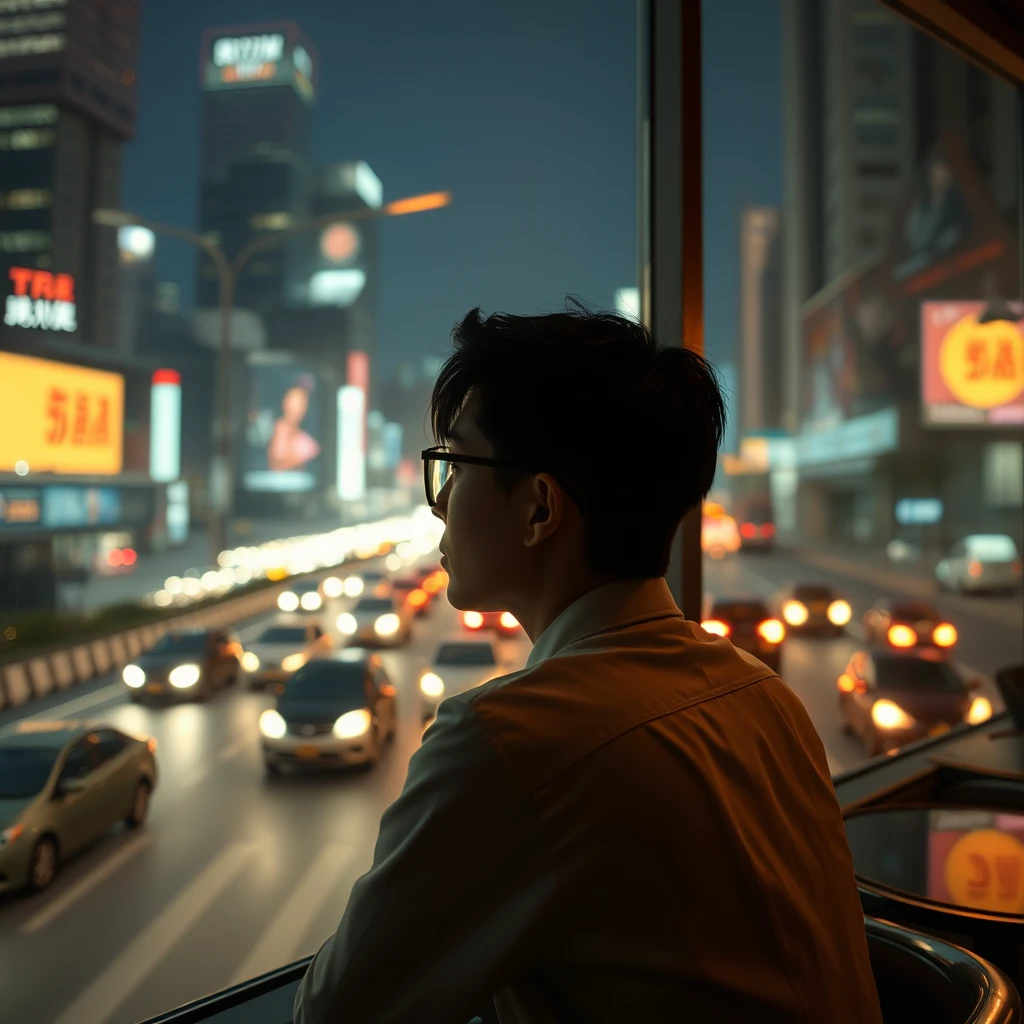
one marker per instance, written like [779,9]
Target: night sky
[523,109]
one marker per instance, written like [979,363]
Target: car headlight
[185,676]
[353,586]
[311,601]
[980,711]
[293,662]
[839,613]
[353,724]
[333,587]
[347,624]
[8,835]
[288,601]
[887,715]
[431,684]
[250,662]
[387,624]
[272,725]
[795,612]
[133,676]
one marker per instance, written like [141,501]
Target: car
[813,609]
[381,621]
[719,535]
[63,784]
[751,627]
[281,649]
[757,531]
[905,624]
[301,596]
[410,590]
[336,711]
[502,623]
[892,697]
[982,561]
[459,664]
[374,582]
[188,664]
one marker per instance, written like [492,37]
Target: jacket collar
[603,609]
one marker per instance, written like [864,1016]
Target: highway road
[235,874]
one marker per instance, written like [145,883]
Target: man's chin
[463,599]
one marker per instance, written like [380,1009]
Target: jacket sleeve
[458,887]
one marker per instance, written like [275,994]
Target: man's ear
[546,506]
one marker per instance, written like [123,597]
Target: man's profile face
[482,542]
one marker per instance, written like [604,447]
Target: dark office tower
[67,102]
[258,93]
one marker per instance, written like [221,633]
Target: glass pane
[863,303]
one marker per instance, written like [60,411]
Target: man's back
[642,827]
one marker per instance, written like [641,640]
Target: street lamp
[228,271]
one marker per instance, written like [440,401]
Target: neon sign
[41,300]
[248,58]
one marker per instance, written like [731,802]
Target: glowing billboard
[972,364]
[40,300]
[58,418]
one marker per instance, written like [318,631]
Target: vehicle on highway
[191,664]
[410,589]
[459,664]
[751,627]
[502,623]
[719,535]
[813,609]
[905,624]
[890,697]
[377,621]
[372,582]
[980,562]
[282,649]
[301,596]
[336,711]
[63,784]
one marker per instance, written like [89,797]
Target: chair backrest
[924,980]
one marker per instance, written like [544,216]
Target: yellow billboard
[58,418]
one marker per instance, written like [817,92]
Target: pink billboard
[972,363]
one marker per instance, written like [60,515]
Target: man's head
[605,442]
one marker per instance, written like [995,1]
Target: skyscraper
[67,102]
[258,94]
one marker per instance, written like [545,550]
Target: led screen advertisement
[59,418]
[283,434]
[972,364]
[258,55]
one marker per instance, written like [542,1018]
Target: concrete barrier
[62,668]
[41,676]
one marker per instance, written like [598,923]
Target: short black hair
[630,429]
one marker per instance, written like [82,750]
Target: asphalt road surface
[235,874]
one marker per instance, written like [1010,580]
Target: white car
[377,621]
[982,561]
[281,650]
[459,664]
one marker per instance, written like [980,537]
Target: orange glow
[129,557]
[276,573]
[748,530]
[151,743]
[716,626]
[944,634]
[417,598]
[847,684]
[472,620]
[901,636]
[417,204]
[771,630]
[974,569]
[115,557]
[508,620]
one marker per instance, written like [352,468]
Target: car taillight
[151,743]
[974,569]
[901,636]
[768,530]
[472,620]
[716,626]
[772,631]
[1018,568]
[748,530]
[508,620]
[851,684]
[417,598]
[944,634]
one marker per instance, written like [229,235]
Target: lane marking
[85,885]
[66,708]
[282,940]
[98,1001]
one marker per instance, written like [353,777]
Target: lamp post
[228,271]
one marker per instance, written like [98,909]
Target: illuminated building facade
[67,102]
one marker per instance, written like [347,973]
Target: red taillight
[716,626]
[901,636]
[772,631]
[974,569]
[1018,568]
[115,557]
[129,557]
[768,530]
[847,683]
[472,620]
[944,634]
[748,530]
[417,598]
[508,620]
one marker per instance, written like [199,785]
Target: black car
[908,625]
[813,609]
[892,697]
[190,664]
[748,623]
[335,711]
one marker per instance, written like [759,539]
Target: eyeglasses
[437,468]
